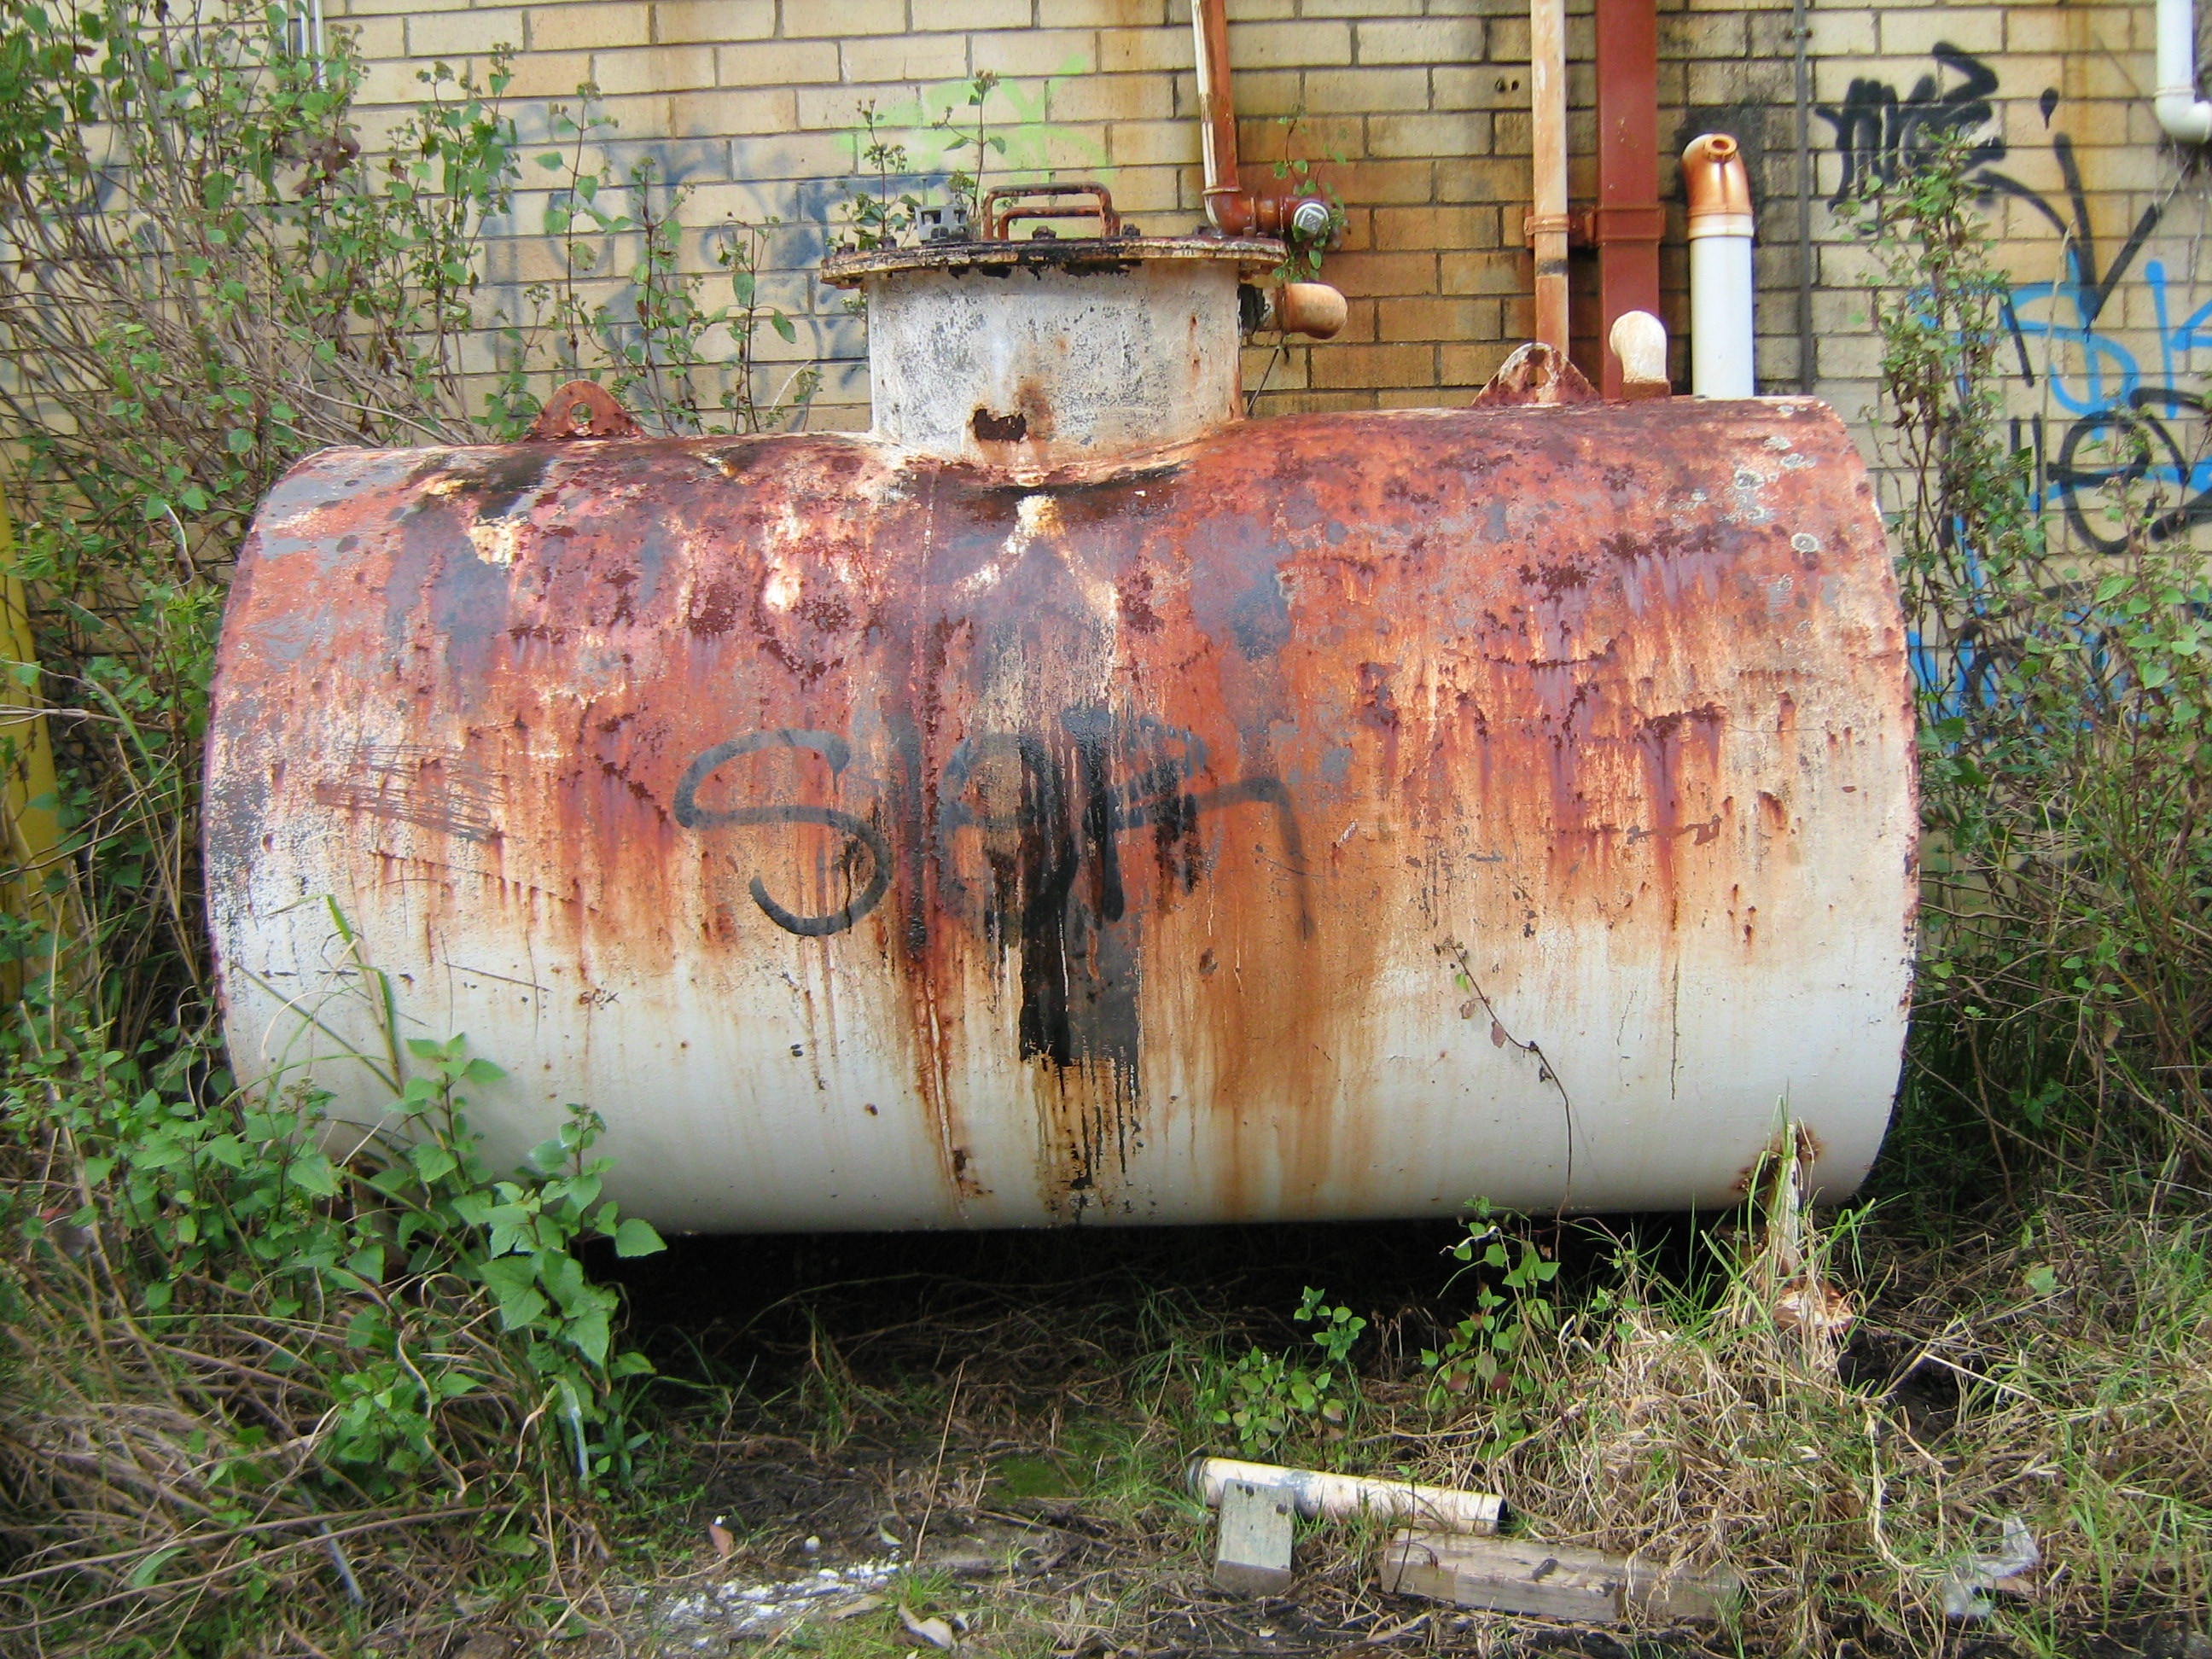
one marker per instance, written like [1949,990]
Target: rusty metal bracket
[1576,225]
[1600,227]
[1603,226]
[1003,206]
[582,409]
[1536,376]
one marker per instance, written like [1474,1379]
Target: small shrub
[1265,1399]
[1492,1352]
[228,1335]
[256,1373]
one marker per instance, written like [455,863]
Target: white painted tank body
[1328,816]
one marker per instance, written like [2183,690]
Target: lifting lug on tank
[582,409]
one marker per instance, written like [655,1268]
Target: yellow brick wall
[1415,112]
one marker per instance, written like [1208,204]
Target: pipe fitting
[1718,187]
[1313,309]
[1639,342]
[1723,295]
[1311,219]
[1230,208]
[2182,115]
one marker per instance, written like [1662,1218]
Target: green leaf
[314,1174]
[783,327]
[637,1237]
[590,1333]
[520,1308]
[143,1575]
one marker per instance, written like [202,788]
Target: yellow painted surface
[28,757]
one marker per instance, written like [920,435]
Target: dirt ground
[983,1426]
[992,1432]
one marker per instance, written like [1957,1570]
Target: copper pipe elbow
[1313,309]
[1718,187]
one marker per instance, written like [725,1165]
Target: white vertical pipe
[2182,115]
[1722,300]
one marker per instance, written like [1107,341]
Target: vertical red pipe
[1226,203]
[1629,221]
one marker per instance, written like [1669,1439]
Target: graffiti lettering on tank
[1028,849]
[1044,810]
[859,833]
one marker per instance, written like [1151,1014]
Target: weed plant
[2065,998]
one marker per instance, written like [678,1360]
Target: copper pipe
[1228,205]
[1313,309]
[1718,187]
[1230,208]
[1547,224]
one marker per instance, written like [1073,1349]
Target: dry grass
[2056,1366]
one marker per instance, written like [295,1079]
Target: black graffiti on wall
[1879,134]
[2146,448]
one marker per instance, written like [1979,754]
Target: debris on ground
[1963,1586]
[702,1618]
[1254,1555]
[1527,1576]
[938,1632]
[1258,1502]
[1318,1495]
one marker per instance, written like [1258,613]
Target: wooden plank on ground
[1520,1575]
[1253,1556]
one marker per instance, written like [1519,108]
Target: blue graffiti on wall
[2121,420]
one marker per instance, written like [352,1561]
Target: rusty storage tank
[1071,802]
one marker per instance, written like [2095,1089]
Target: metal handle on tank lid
[1008,202]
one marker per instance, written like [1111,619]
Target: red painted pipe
[1629,221]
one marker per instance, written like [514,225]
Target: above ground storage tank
[1071,803]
